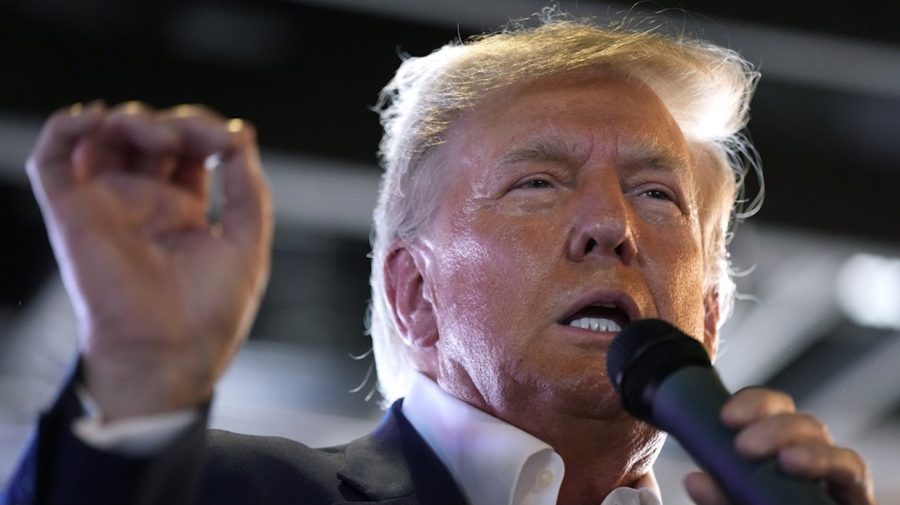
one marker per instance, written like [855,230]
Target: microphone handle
[685,405]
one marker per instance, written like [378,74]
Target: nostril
[597,240]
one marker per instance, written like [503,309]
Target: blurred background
[819,314]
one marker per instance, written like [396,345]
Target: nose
[603,226]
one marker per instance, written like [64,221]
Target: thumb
[50,168]
[704,490]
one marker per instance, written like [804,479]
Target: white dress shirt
[494,462]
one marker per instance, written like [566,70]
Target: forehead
[576,114]
[597,86]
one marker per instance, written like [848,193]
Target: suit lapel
[395,466]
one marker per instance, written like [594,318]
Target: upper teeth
[595,324]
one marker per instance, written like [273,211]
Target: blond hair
[706,88]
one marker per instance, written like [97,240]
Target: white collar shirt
[493,462]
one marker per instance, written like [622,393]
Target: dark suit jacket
[393,465]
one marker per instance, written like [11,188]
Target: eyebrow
[542,149]
[640,151]
[650,152]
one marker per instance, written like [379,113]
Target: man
[543,188]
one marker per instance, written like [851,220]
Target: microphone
[665,378]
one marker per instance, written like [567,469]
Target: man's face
[570,208]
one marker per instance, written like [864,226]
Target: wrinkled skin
[525,234]
[562,192]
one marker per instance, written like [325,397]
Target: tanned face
[570,208]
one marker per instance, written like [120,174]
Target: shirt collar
[493,461]
[485,455]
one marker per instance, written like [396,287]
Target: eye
[658,194]
[535,183]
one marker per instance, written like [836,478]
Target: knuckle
[132,108]
[193,111]
[767,402]
[856,463]
[181,111]
[815,426]
[58,120]
[784,400]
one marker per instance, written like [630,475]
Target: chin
[587,394]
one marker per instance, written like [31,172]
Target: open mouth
[601,317]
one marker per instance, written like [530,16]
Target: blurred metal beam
[815,59]
[795,306]
[36,350]
[856,399]
[296,391]
[322,194]
[17,136]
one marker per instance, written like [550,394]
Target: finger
[204,133]
[139,125]
[844,471]
[192,176]
[50,167]
[154,206]
[766,437]
[704,490]
[752,404]
[133,139]
[246,212]
[247,209]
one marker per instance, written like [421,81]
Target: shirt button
[544,479]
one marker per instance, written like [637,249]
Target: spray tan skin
[565,192]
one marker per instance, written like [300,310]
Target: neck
[602,450]
[601,445]
[601,456]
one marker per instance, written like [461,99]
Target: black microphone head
[645,353]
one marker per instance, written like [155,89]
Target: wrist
[138,436]
[124,390]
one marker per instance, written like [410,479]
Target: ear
[711,323]
[411,303]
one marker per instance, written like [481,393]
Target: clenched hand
[163,296]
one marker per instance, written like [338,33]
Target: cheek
[488,274]
[675,274]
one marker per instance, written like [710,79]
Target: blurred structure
[821,301]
